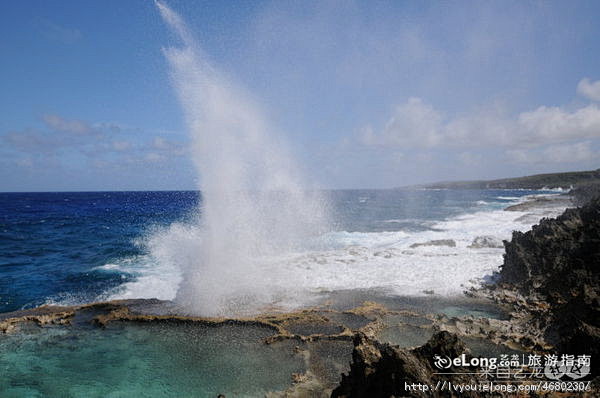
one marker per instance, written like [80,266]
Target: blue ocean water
[53,245]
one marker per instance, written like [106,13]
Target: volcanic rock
[557,265]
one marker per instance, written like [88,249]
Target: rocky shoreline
[551,273]
[550,281]
[548,287]
[312,331]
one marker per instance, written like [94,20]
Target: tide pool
[149,360]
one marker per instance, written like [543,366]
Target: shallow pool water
[458,306]
[484,348]
[150,360]
[404,335]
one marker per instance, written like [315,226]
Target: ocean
[81,247]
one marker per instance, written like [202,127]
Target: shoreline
[351,319]
[324,326]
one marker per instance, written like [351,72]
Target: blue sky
[367,94]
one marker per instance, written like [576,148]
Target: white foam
[346,260]
[157,274]
[556,189]
[386,260]
[341,239]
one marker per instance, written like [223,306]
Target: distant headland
[538,181]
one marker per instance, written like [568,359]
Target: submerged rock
[542,202]
[438,242]
[485,241]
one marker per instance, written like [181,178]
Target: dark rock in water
[543,202]
[558,262]
[528,218]
[439,242]
[383,370]
[481,242]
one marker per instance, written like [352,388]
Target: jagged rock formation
[486,241]
[383,370]
[557,264]
[550,277]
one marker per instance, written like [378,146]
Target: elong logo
[445,362]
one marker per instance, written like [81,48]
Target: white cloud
[153,157]
[484,127]
[102,144]
[573,153]
[469,158]
[171,147]
[541,136]
[413,124]
[564,153]
[62,125]
[161,143]
[33,141]
[553,124]
[416,124]
[121,145]
[589,89]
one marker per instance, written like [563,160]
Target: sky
[367,94]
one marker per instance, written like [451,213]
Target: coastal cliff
[557,263]
[549,282]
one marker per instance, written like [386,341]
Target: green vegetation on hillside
[538,181]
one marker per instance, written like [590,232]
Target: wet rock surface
[327,351]
[383,370]
[549,286]
[543,202]
[323,336]
[438,242]
[481,242]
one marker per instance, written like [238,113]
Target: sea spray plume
[254,205]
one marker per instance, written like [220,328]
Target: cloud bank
[589,89]
[101,145]
[527,137]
